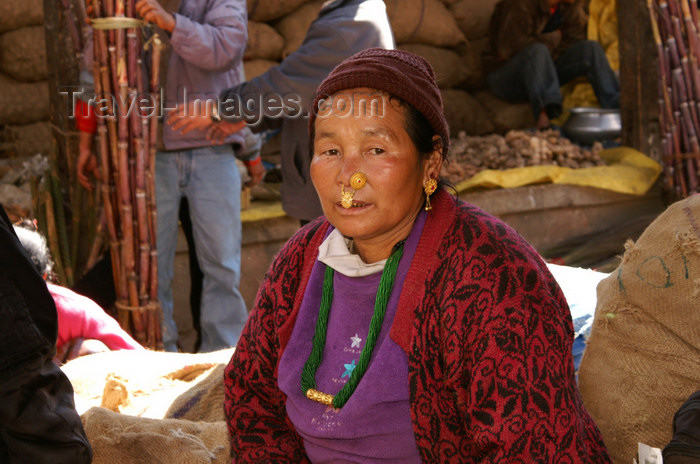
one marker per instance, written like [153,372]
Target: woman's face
[350,138]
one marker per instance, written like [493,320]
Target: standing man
[206,42]
[539,45]
[342,28]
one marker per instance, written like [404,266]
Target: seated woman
[405,326]
[83,326]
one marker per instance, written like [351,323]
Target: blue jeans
[210,180]
[531,75]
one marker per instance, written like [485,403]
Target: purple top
[375,424]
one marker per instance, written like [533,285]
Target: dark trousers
[531,75]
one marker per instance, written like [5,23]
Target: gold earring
[429,187]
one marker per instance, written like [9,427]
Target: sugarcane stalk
[673,53]
[52,236]
[664,19]
[151,191]
[81,14]
[682,53]
[97,243]
[666,117]
[142,214]
[691,31]
[673,8]
[36,200]
[664,65]
[678,166]
[678,35]
[73,30]
[64,248]
[694,13]
[133,45]
[77,203]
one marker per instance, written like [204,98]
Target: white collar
[335,252]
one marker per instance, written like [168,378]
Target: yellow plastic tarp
[260,210]
[627,171]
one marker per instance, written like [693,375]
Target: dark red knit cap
[399,73]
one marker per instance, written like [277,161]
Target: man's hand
[152,12]
[87,162]
[218,132]
[190,116]
[256,171]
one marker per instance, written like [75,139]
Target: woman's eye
[376,151]
[331,152]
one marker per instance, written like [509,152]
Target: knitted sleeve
[504,388]
[259,428]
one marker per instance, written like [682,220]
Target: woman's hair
[35,246]
[419,130]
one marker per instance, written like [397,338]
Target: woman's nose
[345,174]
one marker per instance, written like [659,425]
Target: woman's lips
[355,205]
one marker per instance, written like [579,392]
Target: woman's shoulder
[481,232]
[300,246]
[468,215]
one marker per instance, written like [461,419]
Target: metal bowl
[588,125]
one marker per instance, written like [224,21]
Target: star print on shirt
[348,369]
[355,341]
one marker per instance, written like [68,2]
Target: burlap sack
[642,359]
[450,69]
[423,21]
[122,439]
[464,113]
[473,16]
[293,27]
[20,13]
[26,140]
[263,42]
[266,10]
[141,383]
[204,401]
[506,116]
[474,57]
[254,68]
[23,103]
[23,54]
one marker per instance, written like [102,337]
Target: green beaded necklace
[308,374]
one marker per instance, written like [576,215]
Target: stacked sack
[642,359]
[24,100]
[451,34]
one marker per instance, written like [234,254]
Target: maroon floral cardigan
[488,336]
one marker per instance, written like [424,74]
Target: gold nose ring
[346,197]
[358,180]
